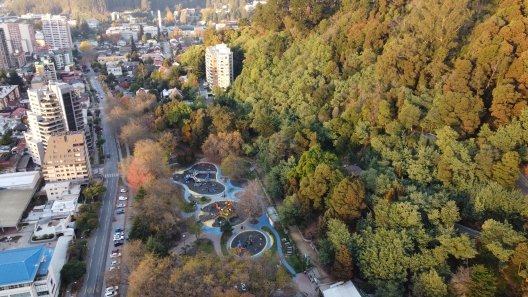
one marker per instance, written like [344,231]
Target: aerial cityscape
[244,148]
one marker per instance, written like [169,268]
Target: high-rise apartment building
[46,68]
[219,65]
[5,62]
[20,37]
[54,108]
[67,158]
[56,31]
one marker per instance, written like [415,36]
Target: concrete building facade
[5,61]
[46,68]
[56,31]
[20,37]
[67,158]
[219,65]
[54,108]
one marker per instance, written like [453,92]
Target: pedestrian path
[230,195]
[107,175]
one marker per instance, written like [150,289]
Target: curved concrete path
[214,233]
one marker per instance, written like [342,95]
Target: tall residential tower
[56,31]
[219,65]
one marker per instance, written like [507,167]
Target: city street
[99,242]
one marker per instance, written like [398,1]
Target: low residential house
[129,66]
[92,23]
[62,190]
[172,93]
[79,88]
[123,50]
[114,69]
[154,56]
[103,59]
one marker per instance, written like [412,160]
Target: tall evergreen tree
[132,45]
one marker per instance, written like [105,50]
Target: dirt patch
[13,239]
[239,183]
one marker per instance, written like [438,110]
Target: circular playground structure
[214,214]
[252,242]
[201,179]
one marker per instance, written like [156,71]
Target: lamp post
[184,247]
[69,288]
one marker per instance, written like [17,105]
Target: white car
[119,234]
[121,205]
[113,267]
[110,293]
[123,190]
[119,238]
[122,198]
[114,263]
[115,255]
[110,289]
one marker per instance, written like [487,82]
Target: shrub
[188,207]
[34,238]
[45,236]
[51,235]
[203,199]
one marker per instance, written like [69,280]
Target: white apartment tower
[56,31]
[219,65]
[46,68]
[67,158]
[54,108]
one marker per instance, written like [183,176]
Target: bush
[203,199]
[45,236]
[188,207]
[51,235]
[34,238]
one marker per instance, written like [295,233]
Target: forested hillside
[428,97]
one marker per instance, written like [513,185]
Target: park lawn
[204,246]
[201,199]
[274,247]
[223,242]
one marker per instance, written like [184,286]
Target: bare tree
[250,201]
[461,281]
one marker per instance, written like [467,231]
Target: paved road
[522,183]
[99,244]
[167,51]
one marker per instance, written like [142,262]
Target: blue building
[32,271]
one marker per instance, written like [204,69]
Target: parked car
[112,288]
[120,211]
[110,293]
[108,155]
[119,238]
[118,230]
[122,198]
[123,190]
[121,205]
[115,251]
[119,234]
[116,255]
[116,244]
[114,263]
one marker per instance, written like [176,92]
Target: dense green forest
[428,97]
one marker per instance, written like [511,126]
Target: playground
[252,242]
[215,213]
[201,179]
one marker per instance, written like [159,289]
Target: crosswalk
[107,175]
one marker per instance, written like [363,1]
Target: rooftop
[342,289]
[12,205]
[48,253]
[20,265]
[6,90]
[18,178]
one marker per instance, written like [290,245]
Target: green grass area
[247,165]
[189,207]
[223,242]
[204,246]
[274,247]
[200,199]
[250,175]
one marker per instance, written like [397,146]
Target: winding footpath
[214,233]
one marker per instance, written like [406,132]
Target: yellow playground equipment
[225,212]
